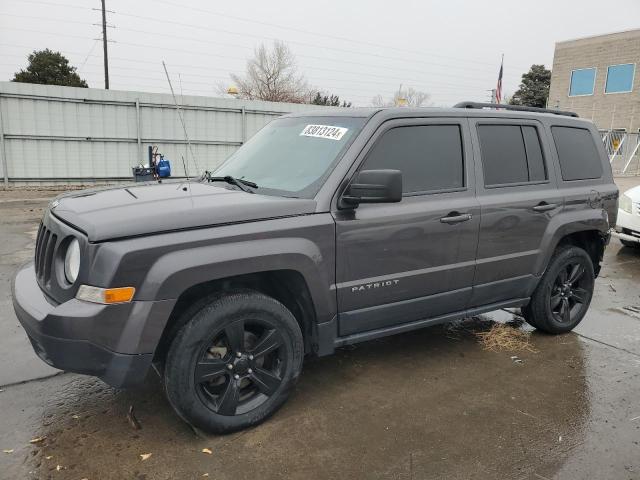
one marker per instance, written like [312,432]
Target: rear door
[411,260]
[518,195]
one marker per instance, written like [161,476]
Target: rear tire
[564,293]
[234,362]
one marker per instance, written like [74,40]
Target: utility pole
[104,46]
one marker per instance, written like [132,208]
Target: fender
[566,223]
[182,269]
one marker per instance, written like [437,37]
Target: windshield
[292,156]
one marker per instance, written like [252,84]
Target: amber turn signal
[105,296]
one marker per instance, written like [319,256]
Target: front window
[582,82]
[430,157]
[292,156]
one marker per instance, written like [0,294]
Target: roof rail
[517,108]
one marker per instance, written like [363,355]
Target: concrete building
[597,77]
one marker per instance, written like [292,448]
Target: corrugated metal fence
[64,134]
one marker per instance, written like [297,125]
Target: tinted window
[620,78]
[511,154]
[582,82]
[429,157]
[577,152]
[535,160]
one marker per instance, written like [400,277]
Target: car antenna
[184,165]
[184,126]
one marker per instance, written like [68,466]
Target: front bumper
[628,225]
[112,342]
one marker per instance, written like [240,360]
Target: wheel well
[591,241]
[287,286]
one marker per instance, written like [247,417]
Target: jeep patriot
[323,230]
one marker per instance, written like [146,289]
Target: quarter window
[429,157]
[620,78]
[577,152]
[582,82]
[511,154]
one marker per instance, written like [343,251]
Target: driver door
[412,260]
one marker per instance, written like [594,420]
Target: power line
[421,53]
[209,28]
[56,4]
[88,55]
[235,58]
[310,32]
[218,43]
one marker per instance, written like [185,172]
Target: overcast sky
[357,48]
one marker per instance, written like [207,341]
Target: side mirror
[374,186]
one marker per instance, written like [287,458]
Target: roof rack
[517,108]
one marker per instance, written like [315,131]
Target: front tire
[234,362]
[564,293]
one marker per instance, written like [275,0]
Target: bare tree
[272,74]
[409,97]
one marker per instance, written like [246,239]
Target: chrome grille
[45,247]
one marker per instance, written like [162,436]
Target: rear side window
[511,154]
[429,157]
[577,152]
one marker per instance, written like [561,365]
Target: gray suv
[323,230]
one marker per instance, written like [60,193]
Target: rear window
[577,153]
[511,154]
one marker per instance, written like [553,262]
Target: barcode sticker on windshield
[324,131]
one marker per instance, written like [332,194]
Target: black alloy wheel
[569,293]
[241,367]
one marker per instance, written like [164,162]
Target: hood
[142,209]
[634,193]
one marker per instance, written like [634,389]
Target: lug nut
[230,366]
[250,357]
[236,376]
[239,354]
[250,371]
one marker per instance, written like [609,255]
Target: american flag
[499,86]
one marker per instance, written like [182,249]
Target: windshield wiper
[238,182]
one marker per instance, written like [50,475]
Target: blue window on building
[620,78]
[582,82]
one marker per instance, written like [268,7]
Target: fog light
[105,296]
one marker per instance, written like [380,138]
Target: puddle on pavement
[423,403]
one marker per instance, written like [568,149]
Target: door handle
[455,217]
[545,207]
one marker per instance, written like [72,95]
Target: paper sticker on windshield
[324,131]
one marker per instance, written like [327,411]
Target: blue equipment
[162,167]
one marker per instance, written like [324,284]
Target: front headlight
[72,261]
[625,203]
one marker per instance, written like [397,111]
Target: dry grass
[504,337]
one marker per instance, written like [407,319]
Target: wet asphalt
[426,404]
